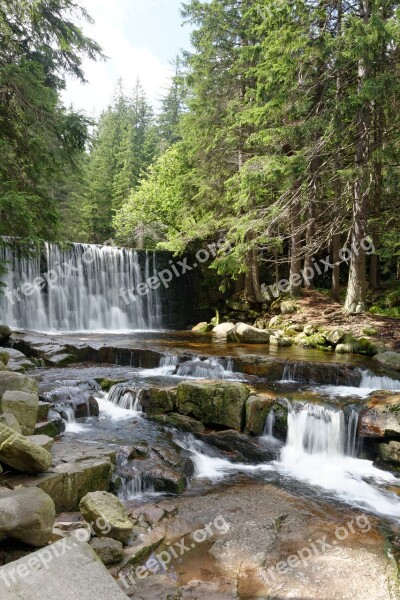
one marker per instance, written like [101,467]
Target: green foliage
[39,45]
[125,145]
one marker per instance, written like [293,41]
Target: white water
[369,383]
[79,289]
[71,426]
[125,397]
[209,368]
[315,454]
[135,487]
[269,424]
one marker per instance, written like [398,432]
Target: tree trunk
[356,291]
[336,268]
[295,253]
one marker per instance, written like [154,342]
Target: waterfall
[126,397]
[133,486]
[315,429]
[351,435]
[269,424]
[210,368]
[169,360]
[80,287]
[372,382]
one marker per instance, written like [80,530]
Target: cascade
[81,287]
[315,429]
[126,397]
[269,424]
[210,368]
[369,381]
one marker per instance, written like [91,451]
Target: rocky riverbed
[201,470]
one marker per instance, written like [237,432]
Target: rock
[44,441]
[281,342]
[4,356]
[288,307]
[257,410]
[261,323]
[2,366]
[8,419]
[77,469]
[166,479]
[334,336]
[27,515]
[80,401]
[18,362]
[75,529]
[156,401]
[201,328]
[50,428]
[64,571]
[43,410]
[246,334]
[310,329]
[180,422]
[5,333]
[344,349]
[381,418]
[108,550]
[139,450]
[18,452]
[24,407]
[223,330]
[218,403]
[276,321]
[243,307]
[102,507]
[242,448]
[144,546]
[268,367]
[390,360]
[389,452]
[17,382]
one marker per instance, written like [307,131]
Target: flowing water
[79,288]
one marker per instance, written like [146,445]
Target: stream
[322,456]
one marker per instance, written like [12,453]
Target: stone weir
[84,287]
[54,351]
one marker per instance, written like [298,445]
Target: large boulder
[27,515]
[246,334]
[21,454]
[217,403]
[18,362]
[389,452]
[8,419]
[77,469]
[390,360]
[102,508]
[156,401]
[5,333]
[223,330]
[241,448]
[24,406]
[257,410]
[382,417]
[64,571]
[16,382]
[180,422]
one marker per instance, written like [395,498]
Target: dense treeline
[40,141]
[290,144]
[280,131]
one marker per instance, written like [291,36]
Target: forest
[280,132]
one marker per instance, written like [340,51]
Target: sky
[140,37]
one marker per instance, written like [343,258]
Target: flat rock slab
[77,469]
[66,570]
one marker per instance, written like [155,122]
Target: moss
[370,331]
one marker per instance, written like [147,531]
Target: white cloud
[125,59]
